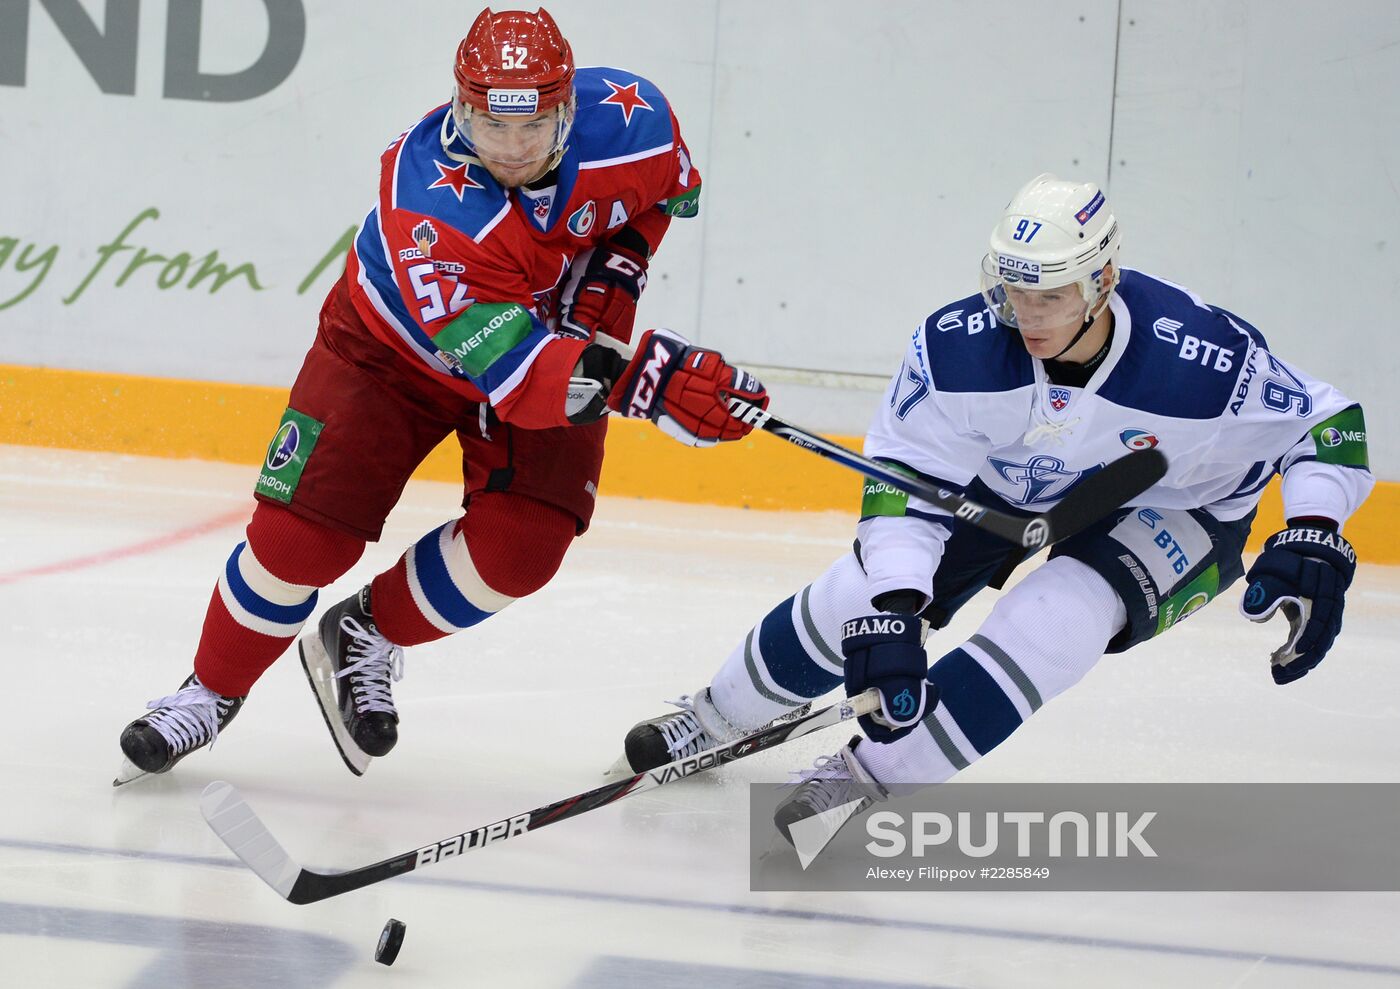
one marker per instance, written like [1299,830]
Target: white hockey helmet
[1053,233]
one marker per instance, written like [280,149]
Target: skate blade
[128,773]
[620,770]
[317,664]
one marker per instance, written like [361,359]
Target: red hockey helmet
[514,62]
[515,72]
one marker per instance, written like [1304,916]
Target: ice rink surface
[107,563]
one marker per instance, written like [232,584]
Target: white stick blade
[230,817]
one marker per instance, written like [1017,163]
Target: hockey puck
[390,940]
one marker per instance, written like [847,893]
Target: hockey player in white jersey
[1063,363]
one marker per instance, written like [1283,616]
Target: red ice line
[122,552]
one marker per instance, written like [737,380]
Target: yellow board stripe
[163,417]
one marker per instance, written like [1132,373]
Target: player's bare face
[515,149]
[1047,319]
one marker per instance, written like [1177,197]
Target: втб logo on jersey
[1044,477]
[284,446]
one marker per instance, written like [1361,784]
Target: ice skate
[836,790]
[696,727]
[351,667]
[188,719]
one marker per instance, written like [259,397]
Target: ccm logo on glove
[685,390]
[648,385]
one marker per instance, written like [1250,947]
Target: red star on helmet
[626,98]
[455,179]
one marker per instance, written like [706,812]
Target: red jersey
[461,275]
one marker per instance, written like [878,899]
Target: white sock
[753,686]
[1040,639]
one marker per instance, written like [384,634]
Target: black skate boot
[836,790]
[188,719]
[351,666]
[696,727]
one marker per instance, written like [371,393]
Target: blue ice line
[193,953]
[629,899]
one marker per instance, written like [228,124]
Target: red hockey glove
[600,294]
[684,389]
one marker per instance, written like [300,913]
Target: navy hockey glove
[600,294]
[684,389]
[1305,571]
[885,652]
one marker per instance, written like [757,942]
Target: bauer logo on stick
[749,413]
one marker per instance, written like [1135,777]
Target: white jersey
[1191,379]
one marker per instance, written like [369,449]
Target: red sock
[265,594]
[461,573]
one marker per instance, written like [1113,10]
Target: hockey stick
[1087,502]
[230,817]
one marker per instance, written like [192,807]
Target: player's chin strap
[448,135]
[1077,337]
[1088,324]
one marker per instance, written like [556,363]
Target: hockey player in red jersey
[503,258]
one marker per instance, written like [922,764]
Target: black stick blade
[1102,493]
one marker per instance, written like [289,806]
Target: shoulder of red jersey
[620,117]
[420,177]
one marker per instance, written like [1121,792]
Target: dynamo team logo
[1044,478]
[284,446]
[1138,439]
